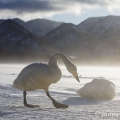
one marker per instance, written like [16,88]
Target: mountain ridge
[94,41]
[17,42]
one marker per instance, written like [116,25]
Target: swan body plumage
[41,76]
[36,76]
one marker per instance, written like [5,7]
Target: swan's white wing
[25,71]
[32,76]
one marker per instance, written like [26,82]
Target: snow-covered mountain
[101,27]
[15,40]
[20,22]
[95,39]
[39,27]
[92,41]
[67,39]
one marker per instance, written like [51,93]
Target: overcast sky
[70,11]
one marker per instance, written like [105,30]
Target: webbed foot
[59,105]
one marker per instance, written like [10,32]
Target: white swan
[41,76]
[99,88]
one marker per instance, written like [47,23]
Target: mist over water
[83,71]
[68,83]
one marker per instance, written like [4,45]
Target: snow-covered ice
[11,99]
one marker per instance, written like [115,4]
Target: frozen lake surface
[11,99]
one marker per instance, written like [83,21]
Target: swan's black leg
[25,102]
[55,103]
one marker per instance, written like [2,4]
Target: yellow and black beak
[76,76]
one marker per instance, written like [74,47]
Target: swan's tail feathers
[17,84]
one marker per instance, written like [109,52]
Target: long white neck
[54,58]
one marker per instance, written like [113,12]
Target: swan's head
[73,70]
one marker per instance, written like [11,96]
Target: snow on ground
[11,99]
